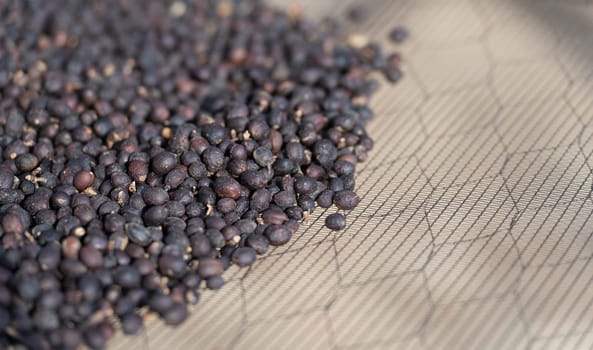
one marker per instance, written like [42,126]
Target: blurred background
[475,226]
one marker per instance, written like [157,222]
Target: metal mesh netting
[475,226]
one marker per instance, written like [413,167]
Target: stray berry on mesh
[335,221]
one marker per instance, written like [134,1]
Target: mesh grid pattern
[476,221]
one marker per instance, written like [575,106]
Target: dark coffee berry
[209,267]
[346,200]
[283,166]
[85,213]
[259,243]
[120,179]
[138,234]
[6,178]
[193,210]
[95,339]
[118,241]
[49,257]
[343,167]
[325,152]
[155,215]
[255,179]
[278,235]
[175,177]
[46,320]
[216,237]
[274,216]
[70,247]
[325,199]
[91,257]
[335,221]
[4,319]
[227,187]
[295,152]
[215,134]
[244,256]
[393,74]
[127,277]
[231,234]
[138,170]
[71,338]
[155,196]
[214,282]
[27,187]
[160,303]
[90,287]
[197,170]
[349,182]
[295,213]
[292,226]
[336,184]
[83,180]
[51,299]
[189,158]
[213,158]
[357,13]
[398,35]
[246,226]
[304,185]
[175,208]
[263,156]
[172,266]
[226,205]
[131,323]
[26,162]
[12,223]
[215,222]
[163,162]
[285,199]
[260,199]
[238,152]
[200,245]
[306,203]
[27,288]
[176,314]
[258,129]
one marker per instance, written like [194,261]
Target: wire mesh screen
[476,221]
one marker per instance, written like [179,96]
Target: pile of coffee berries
[146,146]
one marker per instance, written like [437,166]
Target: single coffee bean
[163,162]
[335,221]
[278,235]
[91,257]
[26,162]
[304,185]
[398,35]
[83,179]
[244,256]
[259,243]
[138,234]
[227,187]
[155,196]
[209,267]
[131,323]
[346,200]
[176,314]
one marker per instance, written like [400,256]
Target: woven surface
[476,222]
